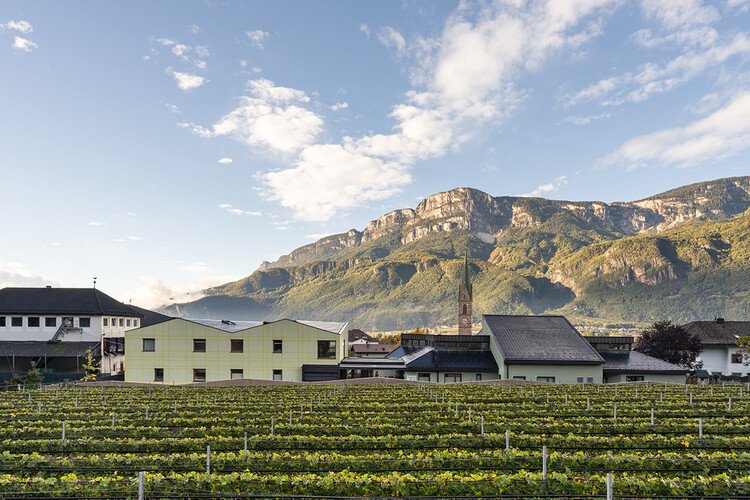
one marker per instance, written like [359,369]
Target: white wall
[719,359]
[44,333]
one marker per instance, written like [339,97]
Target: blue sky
[164,147]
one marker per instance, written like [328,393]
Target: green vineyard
[488,440]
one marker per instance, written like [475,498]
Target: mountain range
[680,255]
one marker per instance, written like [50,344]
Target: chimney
[720,320]
[49,286]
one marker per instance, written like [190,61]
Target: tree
[670,343]
[90,368]
[744,348]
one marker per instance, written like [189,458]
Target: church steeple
[465,297]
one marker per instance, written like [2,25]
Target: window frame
[105,321]
[33,322]
[547,379]
[277,346]
[197,343]
[737,356]
[3,321]
[634,378]
[421,377]
[16,319]
[454,376]
[280,374]
[518,377]
[158,374]
[332,355]
[84,322]
[233,349]
[153,344]
[47,322]
[236,371]
[196,375]
[478,377]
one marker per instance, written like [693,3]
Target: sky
[163,147]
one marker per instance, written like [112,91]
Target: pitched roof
[718,333]
[540,339]
[373,348]
[453,360]
[40,349]
[232,326]
[637,362]
[149,317]
[59,301]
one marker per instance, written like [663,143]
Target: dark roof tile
[637,362]
[718,333]
[73,301]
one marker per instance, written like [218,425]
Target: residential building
[372,350]
[541,349]
[720,354]
[621,364]
[181,351]
[357,336]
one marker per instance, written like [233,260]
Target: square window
[84,322]
[237,345]
[235,374]
[2,320]
[589,380]
[199,375]
[33,321]
[326,349]
[127,322]
[149,345]
[158,374]
[199,345]
[16,321]
[105,321]
[50,322]
[579,380]
[478,377]
[277,375]
[278,347]
[736,357]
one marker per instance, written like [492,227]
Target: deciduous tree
[669,342]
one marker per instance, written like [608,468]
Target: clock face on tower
[464,321]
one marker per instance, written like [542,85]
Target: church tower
[464,301]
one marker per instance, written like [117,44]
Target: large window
[519,377]
[326,349]
[452,377]
[199,375]
[149,345]
[199,345]
[16,321]
[423,377]
[2,320]
[114,345]
[633,378]
[478,377]
[237,345]
[50,322]
[158,374]
[105,321]
[84,322]
[277,375]
[545,379]
[33,322]
[278,347]
[236,374]
[736,357]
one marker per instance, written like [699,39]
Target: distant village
[65,334]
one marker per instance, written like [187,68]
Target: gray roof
[450,360]
[329,326]
[236,326]
[62,301]
[39,349]
[636,362]
[540,339]
[718,333]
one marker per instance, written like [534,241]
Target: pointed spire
[467,275]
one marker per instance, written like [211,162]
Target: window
[199,375]
[158,374]
[84,322]
[33,322]
[589,380]
[50,322]
[633,378]
[277,347]
[2,320]
[105,321]
[452,377]
[149,345]
[579,380]
[736,357]
[326,349]
[113,322]
[237,345]
[423,377]
[464,309]
[277,375]
[545,379]
[16,321]
[235,374]
[519,377]
[127,322]
[199,345]
[122,322]
[114,345]
[135,323]
[478,377]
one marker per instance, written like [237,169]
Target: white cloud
[186,81]
[392,39]
[225,161]
[339,106]
[721,134]
[154,292]
[237,211]
[270,117]
[173,108]
[186,53]
[17,274]
[550,187]
[365,29]
[257,37]
[24,45]
[585,120]
[22,26]
[193,28]
[97,223]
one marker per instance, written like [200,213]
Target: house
[372,350]
[720,354]
[181,351]
[357,336]
[541,349]
[621,364]
[81,320]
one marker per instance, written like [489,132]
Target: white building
[720,354]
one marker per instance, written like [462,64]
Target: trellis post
[610,489]
[244,449]
[208,459]
[63,432]
[700,428]
[507,440]
[482,425]
[141,485]
[272,426]
[544,463]
[652,416]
